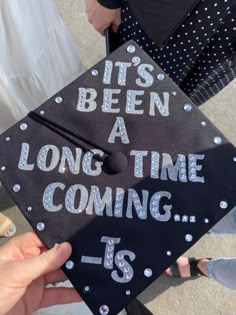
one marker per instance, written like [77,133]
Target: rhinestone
[23,126]
[131,49]
[120,256]
[121,264]
[41,112]
[188,237]
[206,220]
[40,226]
[136,60]
[148,272]
[8,139]
[3,168]
[168,253]
[104,310]
[176,218]
[128,276]
[160,76]
[224,204]
[29,209]
[188,107]
[94,72]
[127,269]
[174,93]
[127,292]
[58,99]
[217,140]
[203,123]
[86,289]
[69,264]
[16,188]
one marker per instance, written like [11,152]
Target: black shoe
[137,308]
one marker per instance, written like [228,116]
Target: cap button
[116,162]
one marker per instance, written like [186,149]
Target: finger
[101,29]
[58,296]
[30,269]
[115,28]
[25,245]
[116,23]
[55,276]
[28,240]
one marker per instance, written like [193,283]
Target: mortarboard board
[121,164]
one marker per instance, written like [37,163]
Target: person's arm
[26,266]
[104,13]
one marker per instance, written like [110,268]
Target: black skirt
[200,56]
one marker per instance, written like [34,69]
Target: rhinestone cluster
[120,193]
[107,72]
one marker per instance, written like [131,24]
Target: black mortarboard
[122,165]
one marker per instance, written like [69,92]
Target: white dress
[37,57]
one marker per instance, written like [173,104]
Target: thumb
[31,268]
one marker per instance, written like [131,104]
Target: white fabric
[37,57]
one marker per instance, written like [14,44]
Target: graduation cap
[121,164]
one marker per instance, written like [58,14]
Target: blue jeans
[223,270]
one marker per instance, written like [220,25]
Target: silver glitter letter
[109,251]
[74,163]
[42,158]
[48,197]
[155,206]
[23,165]
[122,71]
[193,168]
[81,106]
[98,203]
[118,211]
[119,130]
[124,266]
[155,101]
[107,72]
[87,163]
[155,164]
[138,162]
[108,101]
[175,172]
[148,78]
[70,198]
[133,200]
[132,102]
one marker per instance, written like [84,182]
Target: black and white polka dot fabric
[200,56]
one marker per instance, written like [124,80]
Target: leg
[227,225]
[223,271]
